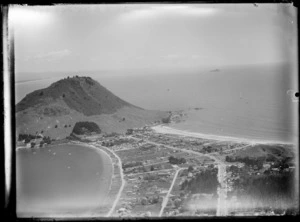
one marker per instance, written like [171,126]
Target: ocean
[61,180]
[250,101]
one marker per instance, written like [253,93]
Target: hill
[55,110]
[82,94]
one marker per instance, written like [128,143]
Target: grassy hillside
[82,94]
[55,110]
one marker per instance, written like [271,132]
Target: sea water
[250,101]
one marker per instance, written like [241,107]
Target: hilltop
[53,111]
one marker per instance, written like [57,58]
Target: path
[166,198]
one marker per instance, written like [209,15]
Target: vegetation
[81,128]
[270,190]
[253,162]
[151,177]
[150,200]
[129,131]
[131,164]
[47,140]
[203,182]
[166,119]
[27,137]
[174,160]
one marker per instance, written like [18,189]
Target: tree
[152,168]
[85,127]
[32,144]
[190,169]
[166,119]
[144,201]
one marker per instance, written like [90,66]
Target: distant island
[215,70]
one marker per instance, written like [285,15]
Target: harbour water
[61,180]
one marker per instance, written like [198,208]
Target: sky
[70,38]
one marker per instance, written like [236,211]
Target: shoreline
[106,161]
[163,129]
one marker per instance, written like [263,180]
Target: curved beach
[169,130]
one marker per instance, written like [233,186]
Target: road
[238,148]
[222,191]
[154,171]
[166,198]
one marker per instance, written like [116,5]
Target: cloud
[54,55]
[164,10]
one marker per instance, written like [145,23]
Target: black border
[10,210]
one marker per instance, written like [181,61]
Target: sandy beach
[169,130]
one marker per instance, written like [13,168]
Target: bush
[190,169]
[129,131]
[27,137]
[166,119]
[47,140]
[174,160]
[204,182]
[42,143]
[81,128]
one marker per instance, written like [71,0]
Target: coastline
[170,130]
[106,161]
